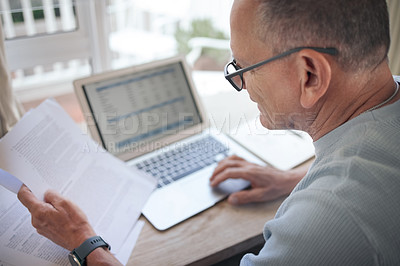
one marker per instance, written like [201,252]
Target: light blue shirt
[346,210]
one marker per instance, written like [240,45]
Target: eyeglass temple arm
[328,50]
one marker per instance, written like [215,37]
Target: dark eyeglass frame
[240,71]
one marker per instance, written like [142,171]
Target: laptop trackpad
[177,202]
[232,185]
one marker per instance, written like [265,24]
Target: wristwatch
[77,257]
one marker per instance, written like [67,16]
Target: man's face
[269,85]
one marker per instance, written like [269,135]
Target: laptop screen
[136,109]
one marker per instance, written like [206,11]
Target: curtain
[10,109]
[394,52]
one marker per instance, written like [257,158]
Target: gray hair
[359,29]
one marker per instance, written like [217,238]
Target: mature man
[321,67]
[340,90]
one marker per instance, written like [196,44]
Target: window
[141,31]
[49,43]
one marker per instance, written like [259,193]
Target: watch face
[73,260]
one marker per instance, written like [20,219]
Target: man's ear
[315,71]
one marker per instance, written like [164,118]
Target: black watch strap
[79,254]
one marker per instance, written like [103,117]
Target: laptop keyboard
[172,165]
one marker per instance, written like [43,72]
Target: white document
[283,149]
[125,252]
[46,149]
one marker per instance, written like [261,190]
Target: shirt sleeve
[313,227]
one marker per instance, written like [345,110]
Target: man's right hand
[267,183]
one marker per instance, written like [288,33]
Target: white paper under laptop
[283,149]
[151,117]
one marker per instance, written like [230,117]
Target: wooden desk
[209,237]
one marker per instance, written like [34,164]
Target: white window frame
[86,42]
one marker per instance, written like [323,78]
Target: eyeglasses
[234,74]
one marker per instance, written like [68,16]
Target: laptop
[151,117]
